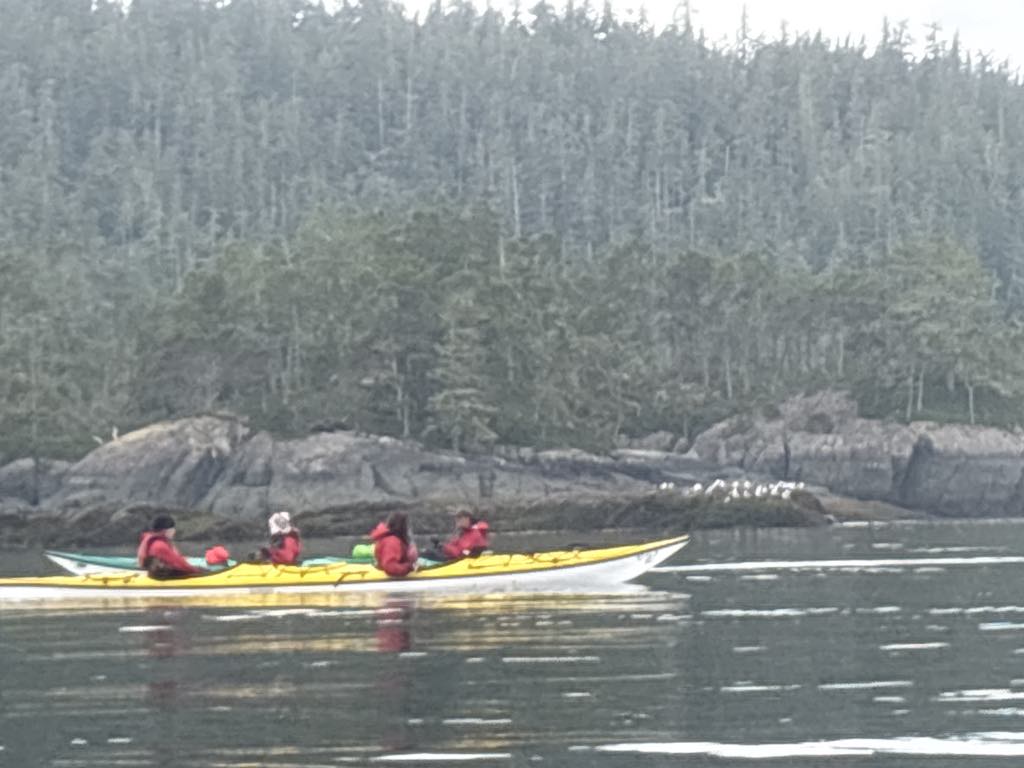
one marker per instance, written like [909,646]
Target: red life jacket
[154,545]
[471,541]
[147,538]
[286,549]
[394,556]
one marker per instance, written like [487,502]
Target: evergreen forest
[549,227]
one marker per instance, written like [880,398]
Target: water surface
[896,645]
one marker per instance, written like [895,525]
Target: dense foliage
[475,229]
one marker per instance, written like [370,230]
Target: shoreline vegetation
[263,255]
[471,229]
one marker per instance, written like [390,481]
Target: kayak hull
[543,571]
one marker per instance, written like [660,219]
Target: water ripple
[853,564]
[441,757]
[973,745]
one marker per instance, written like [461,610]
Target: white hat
[280,523]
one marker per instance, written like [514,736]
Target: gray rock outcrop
[345,468]
[29,480]
[218,465]
[955,470]
[170,463]
[968,471]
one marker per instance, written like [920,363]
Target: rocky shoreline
[222,479]
[655,512]
[948,470]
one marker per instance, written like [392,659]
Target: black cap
[162,523]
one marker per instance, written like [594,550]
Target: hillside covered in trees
[471,228]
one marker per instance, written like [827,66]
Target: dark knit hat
[162,523]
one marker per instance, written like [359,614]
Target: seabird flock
[737,489]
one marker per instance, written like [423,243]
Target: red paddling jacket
[285,549]
[157,554]
[394,556]
[471,541]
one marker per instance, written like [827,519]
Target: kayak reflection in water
[158,555]
[394,551]
[165,641]
[471,538]
[393,689]
[393,622]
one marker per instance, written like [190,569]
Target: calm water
[898,645]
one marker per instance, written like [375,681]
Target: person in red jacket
[393,550]
[285,543]
[471,537]
[158,555]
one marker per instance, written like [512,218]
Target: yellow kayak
[555,570]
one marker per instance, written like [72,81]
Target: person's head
[463,519]
[398,524]
[163,524]
[280,524]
